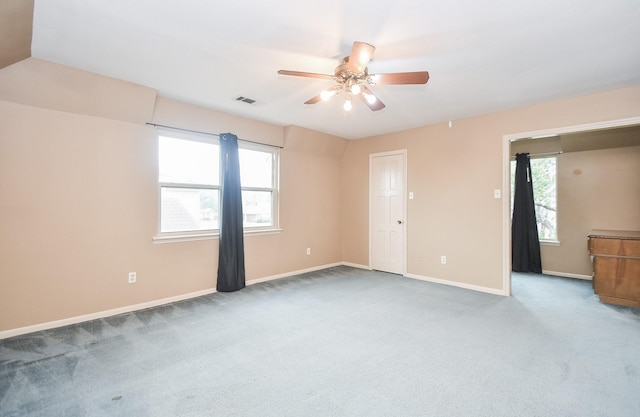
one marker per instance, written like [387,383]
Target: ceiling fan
[353,78]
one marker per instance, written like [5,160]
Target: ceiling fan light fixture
[347,104]
[355,89]
[370,98]
[327,94]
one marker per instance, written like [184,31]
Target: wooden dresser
[616,266]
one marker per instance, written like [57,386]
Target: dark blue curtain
[231,273]
[525,245]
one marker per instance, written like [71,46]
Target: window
[189,179]
[257,176]
[543,173]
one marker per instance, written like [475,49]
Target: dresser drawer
[614,247]
[617,277]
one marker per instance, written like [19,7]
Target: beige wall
[596,190]
[453,173]
[16,25]
[78,179]
[174,113]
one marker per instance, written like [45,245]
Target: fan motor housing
[343,73]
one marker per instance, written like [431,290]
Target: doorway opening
[583,137]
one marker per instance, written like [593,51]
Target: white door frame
[403,153]
[506,180]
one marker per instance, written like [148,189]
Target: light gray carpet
[339,342]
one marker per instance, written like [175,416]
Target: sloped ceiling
[482,56]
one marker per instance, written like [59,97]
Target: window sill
[550,242]
[190,237]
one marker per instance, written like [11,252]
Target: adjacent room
[367,153]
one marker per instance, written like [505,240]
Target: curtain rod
[541,154]
[207,133]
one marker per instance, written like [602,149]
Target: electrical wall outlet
[308,251]
[443,260]
[132,277]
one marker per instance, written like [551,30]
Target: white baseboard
[458,284]
[359,266]
[155,303]
[568,275]
[102,314]
[288,274]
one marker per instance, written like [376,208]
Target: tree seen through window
[543,174]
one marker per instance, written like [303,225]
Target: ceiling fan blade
[418,77]
[313,100]
[373,105]
[361,54]
[306,74]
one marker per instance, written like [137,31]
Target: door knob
[399,221]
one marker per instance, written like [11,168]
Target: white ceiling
[482,56]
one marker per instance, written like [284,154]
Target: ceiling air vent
[246,99]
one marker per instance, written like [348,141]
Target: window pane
[256,168]
[187,209]
[543,171]
[256,208]
[188,162]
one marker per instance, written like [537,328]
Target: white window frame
[189,235]
[275,170]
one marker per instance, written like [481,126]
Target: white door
[387,211]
